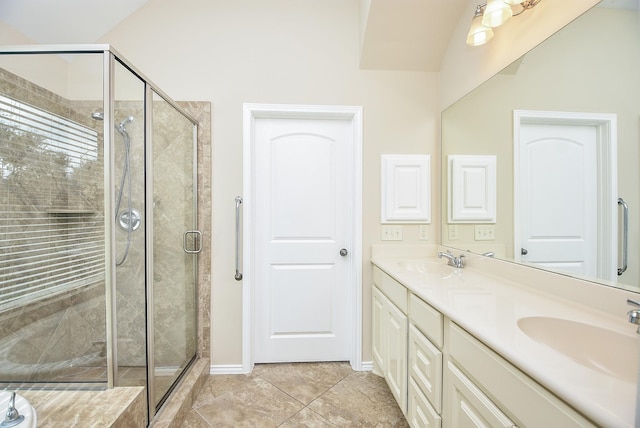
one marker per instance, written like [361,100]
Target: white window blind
[51,216]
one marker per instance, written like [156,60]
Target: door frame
[354,304]
[607,164]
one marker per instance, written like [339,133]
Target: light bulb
[496,13]
[478,33]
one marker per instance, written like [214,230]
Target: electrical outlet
[485,232]
[391,233]
[453,232]
[424,232]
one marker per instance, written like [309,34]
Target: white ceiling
[400,34]
[81,21]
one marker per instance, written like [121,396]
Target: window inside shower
[53,239]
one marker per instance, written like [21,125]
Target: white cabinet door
[396,372]
[390,334]
[379,331]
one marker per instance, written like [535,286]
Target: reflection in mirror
[582,79]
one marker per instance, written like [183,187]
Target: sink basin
[597,348]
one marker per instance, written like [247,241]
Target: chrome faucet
[457,262]
[12,418]
[634,315]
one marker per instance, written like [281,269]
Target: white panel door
[302,217]
[559,196]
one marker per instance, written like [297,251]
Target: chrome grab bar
[198,240]
[238,276]
[625,236]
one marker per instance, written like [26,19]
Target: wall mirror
[585,76]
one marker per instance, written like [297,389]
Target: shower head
[98,115]
[121,128]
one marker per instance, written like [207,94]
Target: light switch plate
[424,232]
[453,232]
[485,232]
[391,233]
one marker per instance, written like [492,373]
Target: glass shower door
[174,246]
[129,224]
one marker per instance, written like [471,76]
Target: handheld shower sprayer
[129,219]
[122,126]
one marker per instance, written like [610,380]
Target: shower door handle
[197,240]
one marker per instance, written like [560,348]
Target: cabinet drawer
[516,393]
[395,291]
[425,367]
[421,414]
[428,320]
[467,405]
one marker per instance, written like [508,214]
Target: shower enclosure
[98,233]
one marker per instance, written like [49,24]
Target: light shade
[478,33]
[496,13]
[513,2]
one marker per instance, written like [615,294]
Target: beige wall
[281,51]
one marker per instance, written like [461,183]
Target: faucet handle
[633,303]
[12,416]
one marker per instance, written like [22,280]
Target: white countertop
[489,308]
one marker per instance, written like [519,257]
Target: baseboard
[366,366]
[221,369]
[227,369]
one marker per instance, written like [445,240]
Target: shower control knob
[344,252]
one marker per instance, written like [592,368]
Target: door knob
[523,251]
[344,252]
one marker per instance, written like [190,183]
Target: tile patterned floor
[296,395]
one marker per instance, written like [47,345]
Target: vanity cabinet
[442,376]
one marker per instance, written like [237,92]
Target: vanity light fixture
[492,14]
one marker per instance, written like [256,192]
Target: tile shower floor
[296,395]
